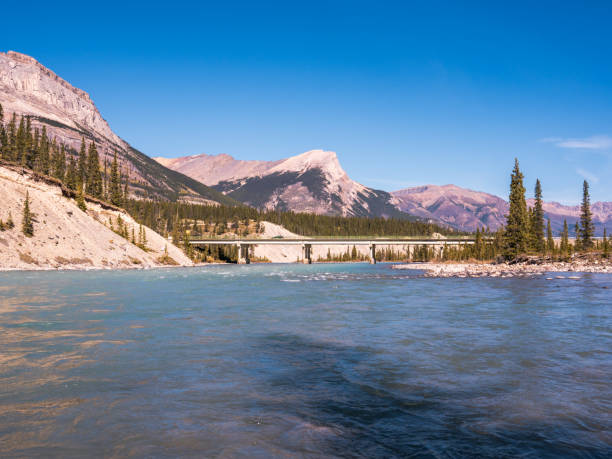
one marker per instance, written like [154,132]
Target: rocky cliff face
[313,181]
[467,209]
[29,88]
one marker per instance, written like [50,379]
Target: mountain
[467,209]
[29,88]
[455,206]
[310,182]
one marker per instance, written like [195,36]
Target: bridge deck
[331,241]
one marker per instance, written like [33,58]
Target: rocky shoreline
[505,270]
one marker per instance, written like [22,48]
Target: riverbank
[524,269]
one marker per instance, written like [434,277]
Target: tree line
[82,171]
[527,233]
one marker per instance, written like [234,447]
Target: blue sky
[407,93]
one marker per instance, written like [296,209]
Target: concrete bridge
[244,245]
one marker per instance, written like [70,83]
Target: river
[345,360]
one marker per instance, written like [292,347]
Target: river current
[344,360]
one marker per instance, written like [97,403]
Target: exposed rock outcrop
[68,113]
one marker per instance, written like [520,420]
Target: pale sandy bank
[65,237]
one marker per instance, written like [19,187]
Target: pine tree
[82,163]
[538,219]
[11,151]
[605,245]
[564,246]
[115,194]
[516,232]
[20,143]
[577,238]
[126,193]
[550,242]
[71,178]
[3,136]
[42,161]
[59,163]
[81,198]
[586,219]
[27,226]
[94,176]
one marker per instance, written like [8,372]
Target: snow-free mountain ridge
[468,209]
[68,113]
[313,181]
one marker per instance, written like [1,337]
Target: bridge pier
[372,254]
[243,254]
[307,254]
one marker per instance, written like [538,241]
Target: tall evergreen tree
[586,219]
[538,219]
[516,232]
[3,136]
[564,246]
[577,238]
[550,242]
[605,245]
[12,139]
[20,142]
[81,198]
[82,163]
[71,179]
[94,176]
[59,163]
[116,196]
[126,192]
[27,226]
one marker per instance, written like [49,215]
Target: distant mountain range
[315,182]
[310,182]
[29,88]
[468,209]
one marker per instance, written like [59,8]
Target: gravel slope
[66,237]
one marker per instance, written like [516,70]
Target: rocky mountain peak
[27,87]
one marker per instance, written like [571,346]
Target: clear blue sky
[405,93]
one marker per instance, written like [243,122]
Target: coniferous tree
[27,226]
[28,149]
[12,139]
[94,176]
[564,246]
[516,232]
[71,178]
[82,163]
[42,160]
[605,245]
[116,197]
[81,198]
[550,242]
[20,142]
[538,219]
[577,238]
[586,219]
[3,136]
[126,193]
[59,163]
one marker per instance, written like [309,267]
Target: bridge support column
[243,254]
[373,254]
[307,254]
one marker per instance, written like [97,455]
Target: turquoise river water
[344,360]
